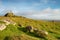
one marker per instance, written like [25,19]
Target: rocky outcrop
[9,14]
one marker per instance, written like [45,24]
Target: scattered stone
[12,23]
[35,30]
[42,33]
[29,28]
[2,27]
[7,21]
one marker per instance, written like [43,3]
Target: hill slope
[53,28]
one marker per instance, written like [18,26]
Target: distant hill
[15,31]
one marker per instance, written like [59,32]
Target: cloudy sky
[35,9]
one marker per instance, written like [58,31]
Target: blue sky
[36,9]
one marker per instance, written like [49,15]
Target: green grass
[9,31]
[53,28]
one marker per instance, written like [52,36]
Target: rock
[7,21]
[2,27]
[42,33]
[12,23]
[29,28]
[35,30]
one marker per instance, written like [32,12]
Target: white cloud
[51,11]
[40,3]
[57,11]
[48,14]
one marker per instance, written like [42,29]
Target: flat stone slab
[2,26]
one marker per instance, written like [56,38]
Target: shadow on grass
[7,38]
[58,38]
[31,33]
[12,38]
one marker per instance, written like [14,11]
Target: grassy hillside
[53,29]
